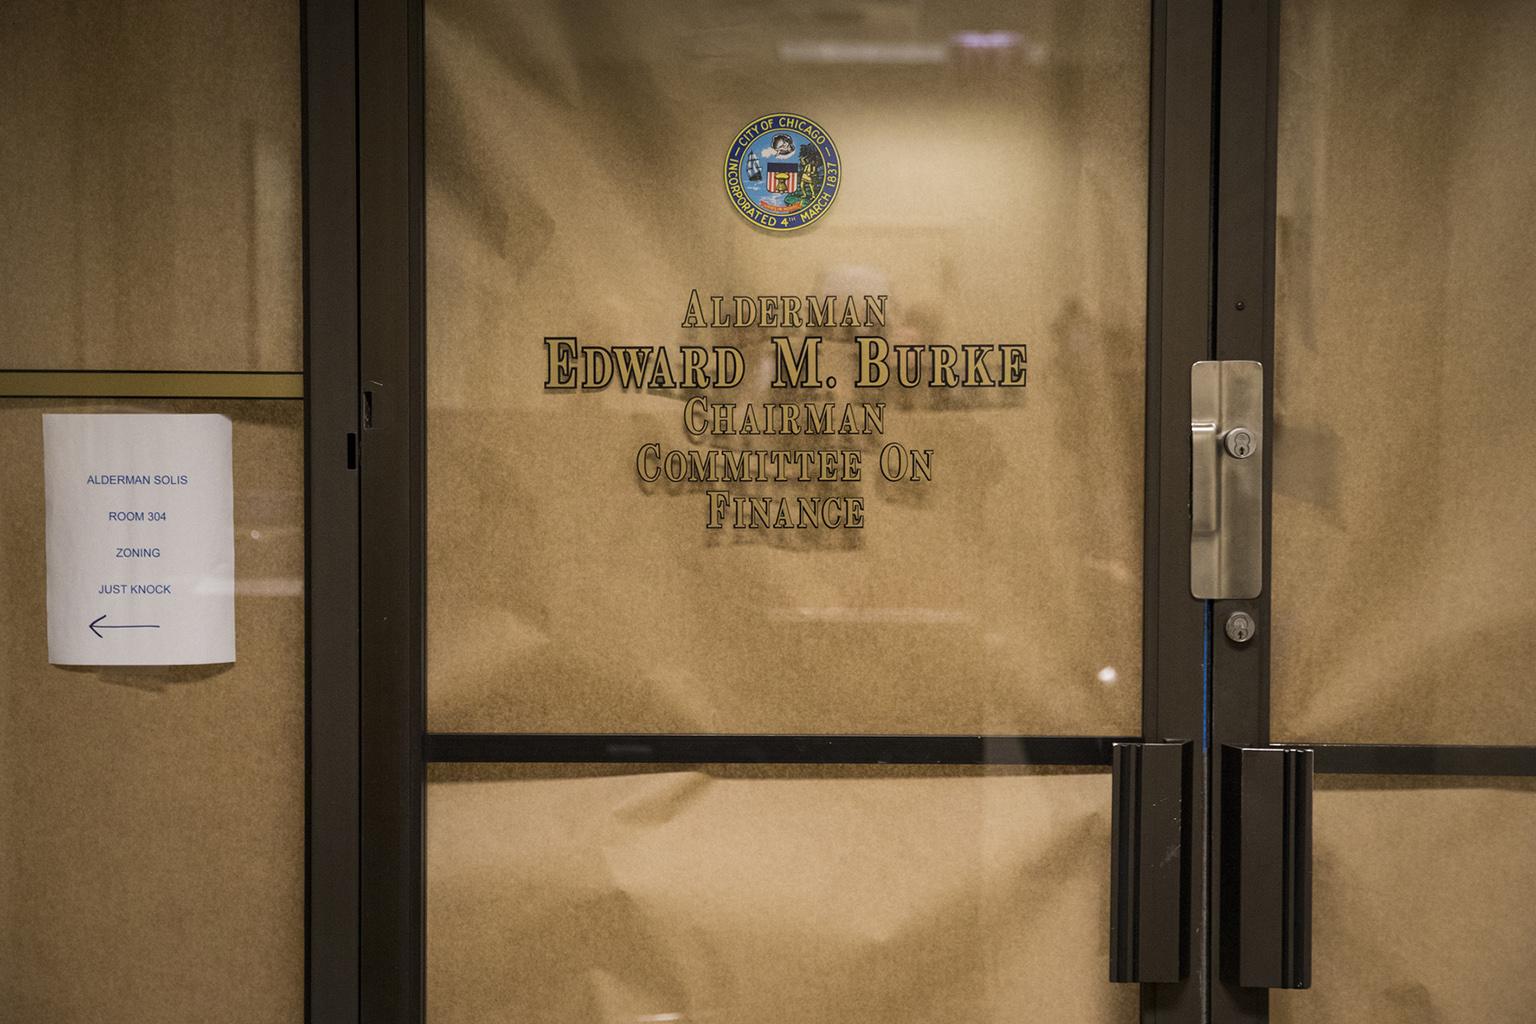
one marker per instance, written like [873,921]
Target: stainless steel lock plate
[1227,483]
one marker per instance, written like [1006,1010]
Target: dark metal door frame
[333,839]
[1175,700]
[1243,303]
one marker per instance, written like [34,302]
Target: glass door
[1404,610]
[756,507]
[1397,629]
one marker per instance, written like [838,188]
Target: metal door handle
[1205,507]
[1149,862]
[1266,866]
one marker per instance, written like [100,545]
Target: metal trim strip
[257,384]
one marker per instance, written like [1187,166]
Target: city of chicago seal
[782,172]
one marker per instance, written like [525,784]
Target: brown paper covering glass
[150,186]
[606,895]
[1422,903]
[152,819]
[1404,449]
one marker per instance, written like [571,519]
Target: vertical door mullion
[1244,330]
[390,296]
[1178,334]
[332,839]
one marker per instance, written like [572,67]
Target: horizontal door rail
[639,748]
[150,384]
[1409,759]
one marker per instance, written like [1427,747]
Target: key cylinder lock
[1240,442]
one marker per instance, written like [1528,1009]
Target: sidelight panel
[153,822]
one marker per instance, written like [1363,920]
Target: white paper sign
[141,539]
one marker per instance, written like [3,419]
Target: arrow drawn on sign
[97,626]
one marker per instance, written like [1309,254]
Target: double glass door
[776,480]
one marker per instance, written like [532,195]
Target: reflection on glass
[587,894]
[993,192]
[1405,466]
